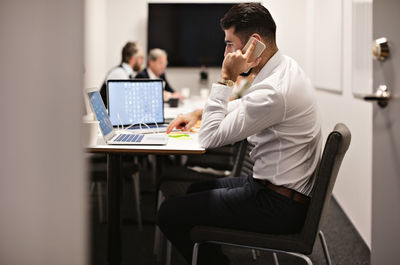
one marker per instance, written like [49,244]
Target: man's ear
[257,36]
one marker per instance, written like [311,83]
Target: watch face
[230,83]
[225,82]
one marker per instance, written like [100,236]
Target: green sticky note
[180,136]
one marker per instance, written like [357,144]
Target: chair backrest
[220,158]
[325,175]
[243,164]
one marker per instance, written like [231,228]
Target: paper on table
[180,136]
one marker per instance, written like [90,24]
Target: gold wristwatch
[226,82]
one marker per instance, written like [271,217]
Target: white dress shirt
[124,72]
[151,74]
[279,115]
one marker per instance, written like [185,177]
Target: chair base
[197,245]
[325,247]
[274,251]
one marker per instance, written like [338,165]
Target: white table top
[185,106]
[174,146]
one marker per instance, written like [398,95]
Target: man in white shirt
[277,114]
[131,62]
[157,64]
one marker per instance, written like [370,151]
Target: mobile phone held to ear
[260,47]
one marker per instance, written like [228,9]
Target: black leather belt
[289,193]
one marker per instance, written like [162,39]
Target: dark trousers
[238,203]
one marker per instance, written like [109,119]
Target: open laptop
[113,137]
[137,104]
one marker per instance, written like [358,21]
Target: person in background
[157,63]
[278,114]
[132,59]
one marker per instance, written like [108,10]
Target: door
[386,140]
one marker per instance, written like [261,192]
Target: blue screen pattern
[135,102]
[100,112]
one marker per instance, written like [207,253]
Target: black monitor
[190,33]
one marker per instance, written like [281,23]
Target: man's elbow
[205,140]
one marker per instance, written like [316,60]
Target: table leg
[113,207]
[159,166]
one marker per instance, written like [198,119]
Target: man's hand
[167,95]
[177,95]
[185,121]
[237,62]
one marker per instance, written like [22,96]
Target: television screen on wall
[190,33]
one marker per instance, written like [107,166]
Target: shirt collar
[151,74]
[268,68]
[128,69]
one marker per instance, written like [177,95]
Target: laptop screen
[100,111]
[135,101]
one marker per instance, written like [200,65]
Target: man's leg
[228,182]
[231,203]
[205,205]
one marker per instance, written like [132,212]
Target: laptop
[110,135]
[137,104]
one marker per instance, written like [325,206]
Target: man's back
[289,150]
[279,115]
[120,72]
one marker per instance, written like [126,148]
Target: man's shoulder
[142,74]
[117,73]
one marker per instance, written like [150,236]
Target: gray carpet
[345,244]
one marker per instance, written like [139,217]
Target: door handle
[380,52]
[382,96]
[380,49]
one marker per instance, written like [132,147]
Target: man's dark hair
[249,18]
[130,49]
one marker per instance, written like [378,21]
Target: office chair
[300,244]
[98,177]
[177,179]
[221,158]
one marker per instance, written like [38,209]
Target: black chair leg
[254,254]
[325,247]
[195,253]
[275,258]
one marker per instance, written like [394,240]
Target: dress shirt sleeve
[232,105]
[225,123]
[118,73]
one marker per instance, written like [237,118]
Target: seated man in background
[131,62]
[157,63]
[278,114]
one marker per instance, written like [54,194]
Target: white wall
[111,23]
[43,190]
[353,187]
[95,36]
[126,20]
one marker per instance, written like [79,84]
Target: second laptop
[137,102]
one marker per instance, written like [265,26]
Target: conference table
[184,106]
[175,146]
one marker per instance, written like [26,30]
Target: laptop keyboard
[129,138]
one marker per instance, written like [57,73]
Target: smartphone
[260,47]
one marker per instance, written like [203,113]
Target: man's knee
[200,186]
